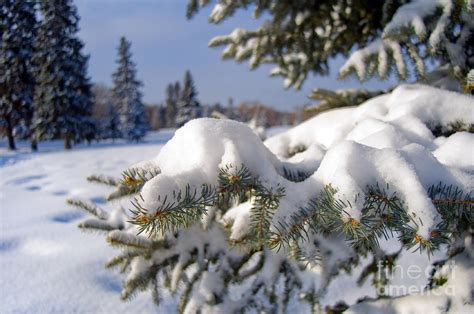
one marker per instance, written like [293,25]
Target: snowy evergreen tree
[188,106]
[127,95]
[63,99]
[177,91]
[17,34]
[110,124]
[171,104]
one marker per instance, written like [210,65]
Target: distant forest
[159,114]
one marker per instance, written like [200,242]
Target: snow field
[47,265]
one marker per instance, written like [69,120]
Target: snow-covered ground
[46,263]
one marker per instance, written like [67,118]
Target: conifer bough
[161,262]
[379,37]
[383,214]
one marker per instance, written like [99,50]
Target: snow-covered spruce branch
[383,215]
[192,258]
[182,210]
[187,257]
[150,260]
[89,207]
[187,207]
[131,182]
[107,180]
[300,37]
[419,30]
[102,221]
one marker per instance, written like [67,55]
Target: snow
[439,31]
[301,16]
[345,286]
[218,13]
[210,283]
[450,152]
[412,14]
[47,265]
[193,156]
[379,47]
[237,34]
[238,217]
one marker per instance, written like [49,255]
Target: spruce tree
[63,100]
[176,98]
[188,106]
[17,34]
[177,91]
[127,95]
[170,105]
[83,104]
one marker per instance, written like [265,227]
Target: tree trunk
[67,142]
[11,139]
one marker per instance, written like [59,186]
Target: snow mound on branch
[451,152]
[197,151]
[385,140]
[404,113]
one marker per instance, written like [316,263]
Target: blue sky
[165,44]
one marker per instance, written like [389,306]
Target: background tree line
[178,109]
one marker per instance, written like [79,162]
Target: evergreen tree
[86,128]
[188,106]
[127,95]
[17,34]
[177,91]
[170,104]
[63,100]
[187,102]
[110,125]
